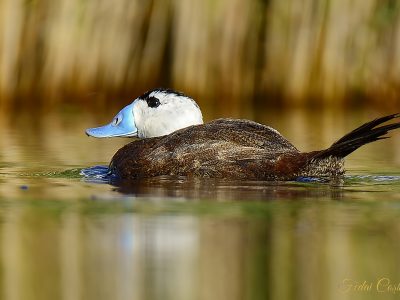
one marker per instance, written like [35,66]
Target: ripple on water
[97,174]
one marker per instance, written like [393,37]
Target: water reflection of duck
[223,148]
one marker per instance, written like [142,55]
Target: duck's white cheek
[147,122]
[139,115]
[156,126]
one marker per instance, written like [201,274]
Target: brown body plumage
[238,149]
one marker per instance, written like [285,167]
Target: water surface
[68,236]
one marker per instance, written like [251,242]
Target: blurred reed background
[293,52]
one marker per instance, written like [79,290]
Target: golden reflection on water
[289,251]
[66,238]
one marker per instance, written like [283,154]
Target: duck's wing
[222,148]
[243,133]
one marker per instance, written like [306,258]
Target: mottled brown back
[223,148]
[240,149]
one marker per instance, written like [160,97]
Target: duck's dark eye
[153,102]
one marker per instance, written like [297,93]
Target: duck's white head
[157,112]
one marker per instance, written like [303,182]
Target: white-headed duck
[174,141]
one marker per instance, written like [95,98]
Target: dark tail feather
[367,133]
